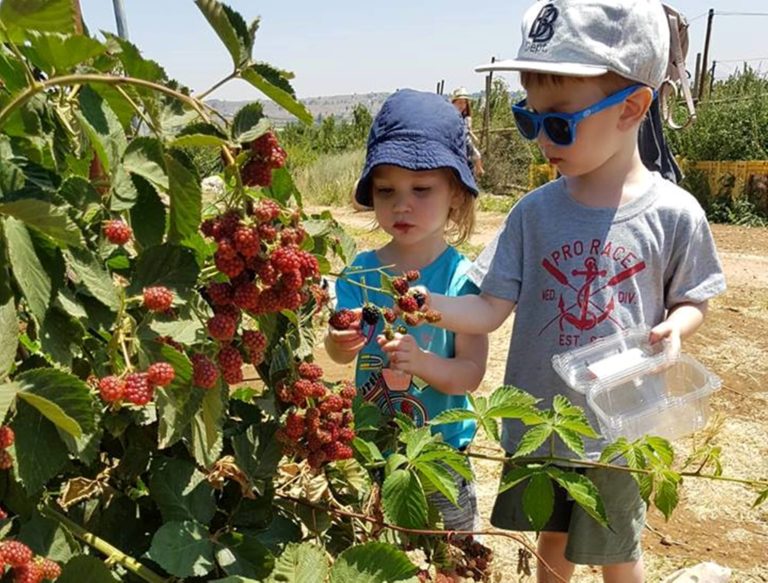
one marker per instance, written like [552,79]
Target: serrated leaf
[415,441]
[249,123]
[662,449]
[583,491]
[198,141]
[148,215]
[282,187]
[509,396]
[168,265]
[300,563]
[60,52]
[134,63]
[231,29]
[244,555]
[61,397]
[9,339]
[272,83]
[614,450]
[145,157]
[441,479]
[180,491]
[571,439]
[86,568]
[94,277]
[579,425]
[667,497]
[102,127]
[7,397]
[183,549]
[186,200]
[515,476]
[33,279]
[373,562]
[453,416]
[533,439]
[256,452]
[368,450]
[43,15]
[48,538]
[51,221]
[61,337]
[539,500]
[403,499]
[491,428]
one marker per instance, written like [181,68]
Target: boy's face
[412,206]
[598,137]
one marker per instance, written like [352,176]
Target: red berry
[286,259]
[267,273]
[348,390]
[246,296]
[256,172]
[29,573]
[161,374]
[158,298]
[292,280]
[111,389]
[401,285]
[408,304]
[389,315]
[247,241]
[294,426]
[302,390]
[266,211]
[338,451]
[51,570]
[3,516]
[412,275]
[254,340]
[220,293]
[310,267]
[346,434]
[117,232]
[231,364]
[413,319]
[222,327]
[230,266]
[310,371]
[316,458]
[204,371]
[15,554]
[7,436]
[342,319]
[137,388]
[270,301]
[6,461]
[332,403]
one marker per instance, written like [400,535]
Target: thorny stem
[425,532]
[113,554]
[218,84]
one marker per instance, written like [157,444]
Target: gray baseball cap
[587,38]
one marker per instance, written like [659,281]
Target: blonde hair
[609,82]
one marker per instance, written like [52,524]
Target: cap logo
[542,29]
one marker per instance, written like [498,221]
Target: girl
[417,179]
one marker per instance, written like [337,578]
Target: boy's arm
[682,321]
[470,314]
[452,376]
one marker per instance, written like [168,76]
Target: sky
[337,47]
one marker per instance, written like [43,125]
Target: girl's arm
[453,376]
[343,345]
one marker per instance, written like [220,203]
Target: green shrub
[329,179]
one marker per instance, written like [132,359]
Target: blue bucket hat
[416,131]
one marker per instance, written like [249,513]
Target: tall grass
[329,178]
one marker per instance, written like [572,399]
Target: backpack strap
[677,77]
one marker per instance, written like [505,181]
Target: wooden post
[707,38]
[712,79]
[696,74]
[487,112]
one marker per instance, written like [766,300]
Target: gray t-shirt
[579,273]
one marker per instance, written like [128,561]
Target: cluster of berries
[7,437]
[137,387]
[26,567]
[205,372]
[473,559]
[319,426]
[117,232]
[267,272]
[265,156]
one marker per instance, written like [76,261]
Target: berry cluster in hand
[7,437]
[319,425]
[263,270]
[136,387]
[117,232]
[25,565]
[412,302]
[265,156]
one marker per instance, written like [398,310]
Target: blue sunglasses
[560,128]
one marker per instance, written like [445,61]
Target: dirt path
[714,521]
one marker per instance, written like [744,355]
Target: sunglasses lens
[526,125]
[558,130]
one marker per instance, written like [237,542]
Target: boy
[607,246]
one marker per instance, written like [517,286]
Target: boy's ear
[635,108]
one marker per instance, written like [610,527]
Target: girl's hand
[671,332]
[351,340]
[427,299]
[404,353]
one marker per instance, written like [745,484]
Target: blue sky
[344,46]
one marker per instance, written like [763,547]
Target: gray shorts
[464,516]
[589,543]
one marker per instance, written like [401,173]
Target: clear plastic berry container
[635,388]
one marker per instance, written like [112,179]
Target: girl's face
[413,206]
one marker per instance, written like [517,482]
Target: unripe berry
[137,388]
[117,232]
[111,389]
[161,374]
[158,298]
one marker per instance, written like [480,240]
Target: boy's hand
[671,332]
[404,354]
[351,340]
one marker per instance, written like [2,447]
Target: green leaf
[49,220]
[183,549]
[509,396]
[231,29]
[134,64]
[61,397]
[283,188]
[368,450]
[7,396]
[34,281]
[578,425]
[45,15]
[86,568]
[60,52]
[183,331]
[440,479]
[373,562]
[491,428]
[40,453]
[186,200]
[81,195]
[539,500]
[761,498]
[571,439]
[103,128]
[249,123]
[515,476]
[257,453]
[9,339]
[403,499]
[272,83]
[181,491]
[662,449]
[124,191]
[244,555]
[415,441]
[453,416]
[61,336]
[178,403]
[48,538]
[168,265]
[94,277]
[144,157]
[204,437]
[667,496]
[614,450]
[533,439]
[300,563]
[583,491]
[147,215]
